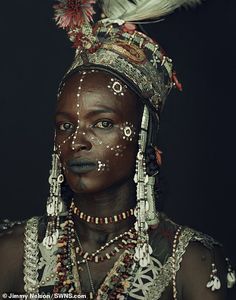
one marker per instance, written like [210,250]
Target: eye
[105,124]
[65,126]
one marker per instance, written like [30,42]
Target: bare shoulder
[198,265]
[11,258]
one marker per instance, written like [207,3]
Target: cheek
[117,150]
[120,152]
[118,159]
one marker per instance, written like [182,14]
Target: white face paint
[103,166]
[128,131]
[77,105]
[117,87]
[74,135]
[118,150]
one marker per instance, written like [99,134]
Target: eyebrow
[95,111]
[103,109]
[61,113]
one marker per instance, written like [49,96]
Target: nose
[80,142]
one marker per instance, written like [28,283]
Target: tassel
[54,203]
[142,250]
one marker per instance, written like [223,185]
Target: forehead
[93,90]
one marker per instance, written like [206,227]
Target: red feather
[72,14]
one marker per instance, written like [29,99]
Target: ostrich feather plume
[138,10]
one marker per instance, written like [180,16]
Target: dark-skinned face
[97,126]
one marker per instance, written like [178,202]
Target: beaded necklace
[101,220]
[128,240]
[64,282]
[66,263]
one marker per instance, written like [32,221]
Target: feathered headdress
[76,17]
[139,10]
[70,14]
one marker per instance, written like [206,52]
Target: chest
[120,276]
[91,275]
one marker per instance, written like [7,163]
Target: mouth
[81,165]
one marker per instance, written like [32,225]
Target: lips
[81,165]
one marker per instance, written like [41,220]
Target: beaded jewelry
[128,241]
[145,198]
[54,203]
[101,220]
[65,282]
[64,273]
[174,262]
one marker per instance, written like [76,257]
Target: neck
[109,202]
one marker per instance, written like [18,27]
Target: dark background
[198,125]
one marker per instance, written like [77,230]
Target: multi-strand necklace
[65,263]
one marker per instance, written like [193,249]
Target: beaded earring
[54,202]
[145,211]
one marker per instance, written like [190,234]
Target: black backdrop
[197,131]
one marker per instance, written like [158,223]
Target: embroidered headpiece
[114,44]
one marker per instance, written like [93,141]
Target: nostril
[80,145]
[83,147]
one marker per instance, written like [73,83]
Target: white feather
[142,9]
